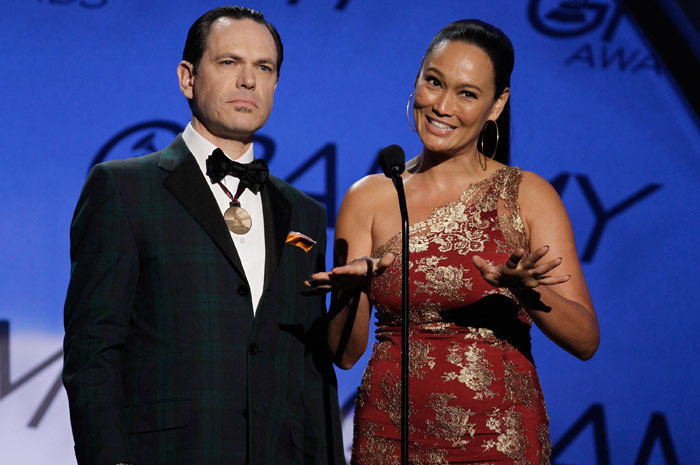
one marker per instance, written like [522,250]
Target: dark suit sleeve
[104,271]
[323,443]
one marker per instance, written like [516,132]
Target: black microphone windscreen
[392,159]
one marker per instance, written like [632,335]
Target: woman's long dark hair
[498,47]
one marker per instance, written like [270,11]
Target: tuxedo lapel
[277,214]
[188,186]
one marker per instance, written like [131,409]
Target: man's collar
[201,148]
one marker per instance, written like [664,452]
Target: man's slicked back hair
[196,41]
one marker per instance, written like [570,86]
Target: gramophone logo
[138,139]
[567,18]
[570,19]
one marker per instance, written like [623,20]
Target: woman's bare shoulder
[364,202]
[368,187]
[540,203]
[535,189]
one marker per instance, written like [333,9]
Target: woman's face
[455,97]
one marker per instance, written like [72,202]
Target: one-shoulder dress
[474,393]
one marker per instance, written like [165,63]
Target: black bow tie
[253,175]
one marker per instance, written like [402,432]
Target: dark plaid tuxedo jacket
[164,361]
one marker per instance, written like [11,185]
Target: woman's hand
[356,274]
[521,270]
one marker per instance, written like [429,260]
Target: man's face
[233,89]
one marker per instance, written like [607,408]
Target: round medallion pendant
[238,220]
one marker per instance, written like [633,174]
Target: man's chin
[242,133]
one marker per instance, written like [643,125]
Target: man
[188,342]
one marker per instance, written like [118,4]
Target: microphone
[392,160]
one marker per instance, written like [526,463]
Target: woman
[484,239]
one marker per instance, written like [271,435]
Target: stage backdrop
[594,112]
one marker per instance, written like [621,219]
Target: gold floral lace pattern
[545,444]
[454,226]
[441,280]
[429,311]
[511,440]
[380,350]
[481,197]
[486,335]
[475,371]
[486,212]
[377,450]
[365,387]
[438,327]
[386,317]
[390,401]
[519,386]
[513,229]
[431,456]
[451,421]
[445,420]
[420,362]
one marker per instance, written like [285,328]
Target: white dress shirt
[251,245]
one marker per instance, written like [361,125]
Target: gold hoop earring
[408,105]
[480,145]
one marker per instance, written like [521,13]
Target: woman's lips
[438,127]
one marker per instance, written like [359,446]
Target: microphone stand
[398,183]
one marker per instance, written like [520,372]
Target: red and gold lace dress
[474,394]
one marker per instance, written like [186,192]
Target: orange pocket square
[302,241]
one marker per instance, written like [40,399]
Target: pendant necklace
[236,217]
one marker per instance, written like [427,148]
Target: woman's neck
[447,172]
